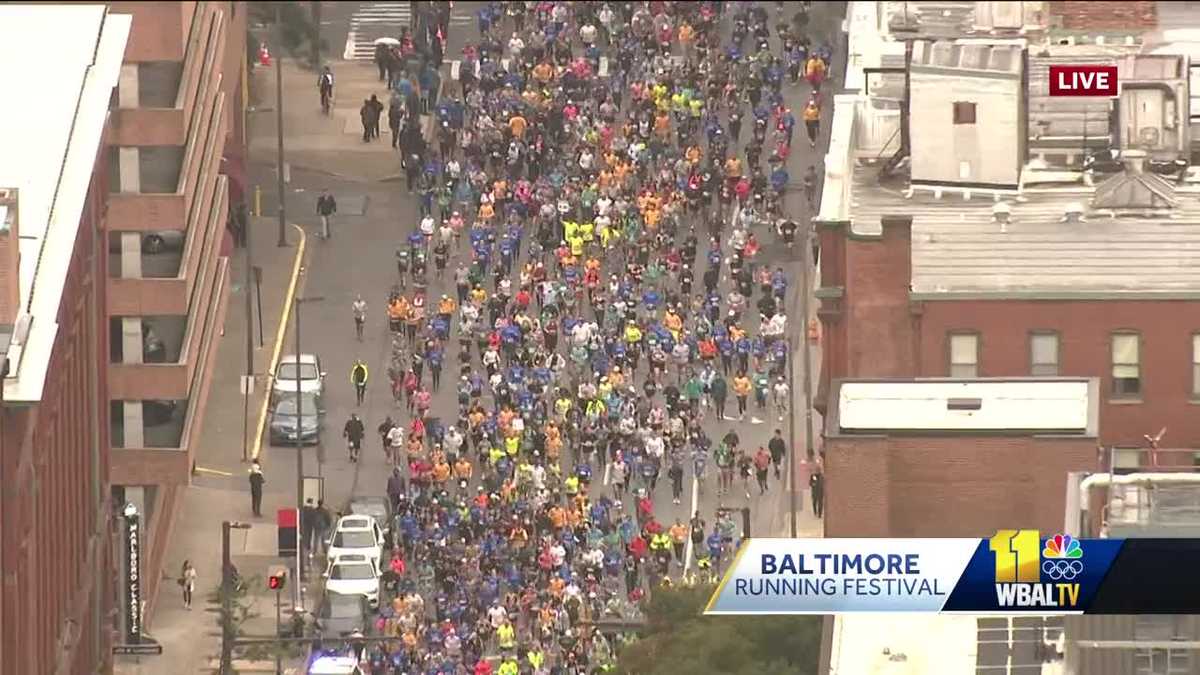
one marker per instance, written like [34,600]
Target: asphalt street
[359,259]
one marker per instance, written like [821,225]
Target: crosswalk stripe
[382,19]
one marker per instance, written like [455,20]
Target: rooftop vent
[964,404]
[1002,213]
[1073,213]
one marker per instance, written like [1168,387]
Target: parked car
[293,419]
[341,614]
[356,534]
[331,664]
[354,574]
[379,508]
[307,369]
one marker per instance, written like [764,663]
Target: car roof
[349,558]
[355,523]
[304,358]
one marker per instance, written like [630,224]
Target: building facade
[177,121]
[55,512]
[954,457]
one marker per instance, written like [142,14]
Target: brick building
[954,457]
[978,271]
[177,138]
[54,448]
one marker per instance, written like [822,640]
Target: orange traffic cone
[264,55]
[814,331]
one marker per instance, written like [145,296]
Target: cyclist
[360,316]
[325,88]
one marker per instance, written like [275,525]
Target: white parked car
[356,534]
[354,574]
[306,368]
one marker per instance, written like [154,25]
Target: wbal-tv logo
[1030,574]
[1083,80]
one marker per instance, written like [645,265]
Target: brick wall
[873,330]
[1099,16]
[948,486]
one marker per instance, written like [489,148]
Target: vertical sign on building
[133,576]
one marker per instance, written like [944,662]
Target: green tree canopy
[681,640]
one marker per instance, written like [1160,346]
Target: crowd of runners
[585,271]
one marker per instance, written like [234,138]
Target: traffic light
[277,580]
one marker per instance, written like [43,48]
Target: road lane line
[280,334]
[687,554]
[607,472]
[214,472]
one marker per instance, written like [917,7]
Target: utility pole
[249,347]
[279,123]
[804,304]
[791,451]
[227,590]
[300,543]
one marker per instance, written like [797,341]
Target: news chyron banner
[1016,571]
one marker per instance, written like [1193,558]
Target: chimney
[1134,161]
[10,258]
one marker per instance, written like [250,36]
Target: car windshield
[287,405]
[338,606]
[352,571]
[287,371]
[358,539]
[373,509]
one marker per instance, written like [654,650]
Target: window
[1126,365]
[1160,661]
[964,355]
[1043,354]
[1196,365]
[964,112]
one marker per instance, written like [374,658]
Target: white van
[334,665]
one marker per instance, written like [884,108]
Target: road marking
[284,315]
[687,554]
[607,472]
[200,469]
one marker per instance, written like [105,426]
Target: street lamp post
[227,635]
[792,438]
[300,542]
[279,124]
[804,302]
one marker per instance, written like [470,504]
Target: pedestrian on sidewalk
[777,447]
[321,529]
[812,121]
[326,207]
[187,581]
[395,119]
[358,377]
[381,60]
[256,487]
[308,524]
[816,483]
[376,113]
[353,433]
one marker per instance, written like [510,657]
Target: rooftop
[1031,405]
[866,644]
[958,249]
[51,125]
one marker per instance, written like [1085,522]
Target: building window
[1160,661]
[1196,365]
[964,355]
[1126,365]
[964,112]
[1043,354]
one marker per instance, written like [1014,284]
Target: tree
[298,28]
[242,610]
[680,639]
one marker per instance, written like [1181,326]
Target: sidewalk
[219,490]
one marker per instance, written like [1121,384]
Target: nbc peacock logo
[1062,558]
